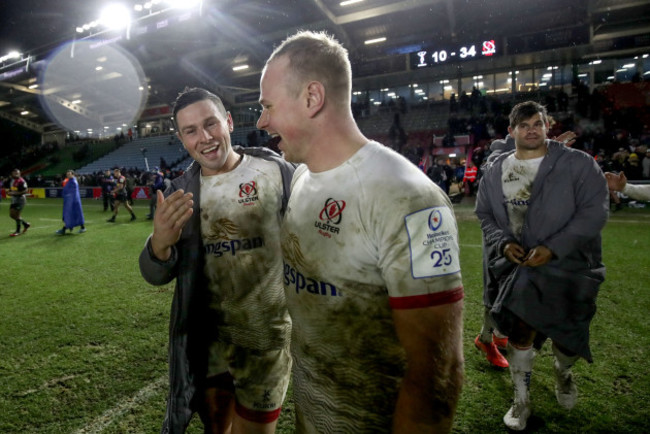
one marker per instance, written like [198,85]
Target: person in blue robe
[73,214]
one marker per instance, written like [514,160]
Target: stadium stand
[133,154]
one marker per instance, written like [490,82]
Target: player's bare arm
[432,339]
[172,213]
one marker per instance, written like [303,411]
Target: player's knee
[522,335]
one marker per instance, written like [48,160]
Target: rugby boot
[501,343]
[492,353]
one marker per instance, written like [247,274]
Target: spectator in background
[129,187]
[426,159]
[156,183]
[167,179]
[470,178]
[73,214]
[633,167]
[107,183]
[449,139]
[453,104]
[396,134]
[17,191]
[465,103]
[449,174]
[438,175]
[645,165]
[120,196]
[459,175]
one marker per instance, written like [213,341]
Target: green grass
[83,343]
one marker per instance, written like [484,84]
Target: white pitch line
[109,416]
[627,221]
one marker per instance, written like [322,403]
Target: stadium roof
[201,46]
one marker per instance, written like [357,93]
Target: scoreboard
[434,56]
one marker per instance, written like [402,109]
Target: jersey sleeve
[419,250]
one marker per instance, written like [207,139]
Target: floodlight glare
[183,4]
[374,41]
[78,94]
[115,16]
[10,55]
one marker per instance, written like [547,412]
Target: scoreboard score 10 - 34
[432,57]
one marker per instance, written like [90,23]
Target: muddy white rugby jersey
[240,221]
[371,235]
[517,177]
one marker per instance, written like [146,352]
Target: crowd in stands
[617,136]
[24,156]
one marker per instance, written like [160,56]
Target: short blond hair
[317,56]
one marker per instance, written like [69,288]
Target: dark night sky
[36,25]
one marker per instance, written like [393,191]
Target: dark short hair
[526,110]
[190,95]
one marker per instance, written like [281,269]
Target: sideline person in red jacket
[470,177]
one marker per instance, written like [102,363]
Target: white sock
[487,327]
[563,361]
[521,369]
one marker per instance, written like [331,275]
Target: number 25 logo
[441,258]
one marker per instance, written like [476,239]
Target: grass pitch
[83,345]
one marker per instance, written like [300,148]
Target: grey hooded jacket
[568,209]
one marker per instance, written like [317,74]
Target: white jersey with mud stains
[371,235]
[517,177]
[240,225]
